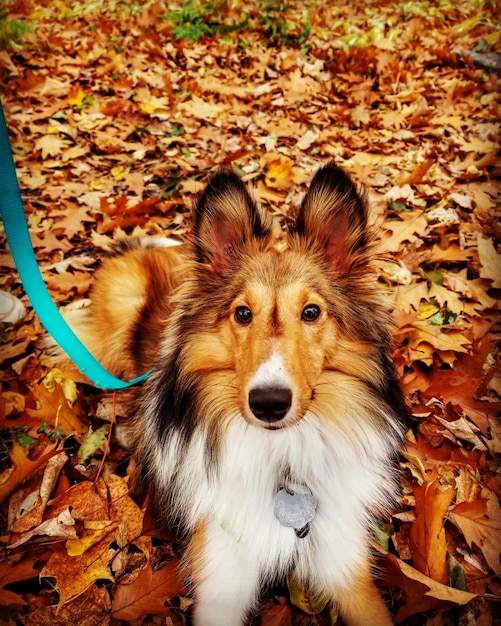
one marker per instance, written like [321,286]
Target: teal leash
[19,240]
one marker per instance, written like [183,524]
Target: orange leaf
[422,593]
[75,574]
[53,408]
[480,523]
[14,572]
[427,538]
[148,593]
[21,468]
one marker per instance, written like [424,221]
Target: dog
[271,423]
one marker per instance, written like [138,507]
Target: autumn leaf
[409,228]
[73,575]
[490,261]
[114,131]
[60,527]
[14,571]
[51,145]
[148,593]
[428,542]
[54,409]
[21,468]
[480,522]
[423,594]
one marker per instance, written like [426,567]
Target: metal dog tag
[295,510]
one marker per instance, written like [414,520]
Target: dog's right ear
[225,217]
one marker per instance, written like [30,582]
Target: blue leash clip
[19,240]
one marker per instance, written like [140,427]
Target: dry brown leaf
[480,523]
[60,527]
[149,593]
[21,468]
[490,261]
[53,409]
[422,593]
[75,574]
[427,539]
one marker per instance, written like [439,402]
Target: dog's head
[281,330]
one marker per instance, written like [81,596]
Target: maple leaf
[148,593]
[51,145]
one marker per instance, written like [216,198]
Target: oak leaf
[490,261]
[149,592]
[11,572]
[60,527]
[75,574]
[411,227]
[22,467]
[480,523]
[89,609]
[422,593]
[53,408]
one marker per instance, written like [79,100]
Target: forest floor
[117,111]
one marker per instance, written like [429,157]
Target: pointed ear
[333,215]
[224,219]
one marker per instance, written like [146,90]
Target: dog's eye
[243,314]
[311,313]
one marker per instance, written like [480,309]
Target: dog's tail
[129,299]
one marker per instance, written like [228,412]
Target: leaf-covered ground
[116,112]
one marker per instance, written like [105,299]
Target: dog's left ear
[333,215]
[224,219]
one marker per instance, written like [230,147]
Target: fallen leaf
[12,571]
[21,468]
[423,594]
[51,145]
[480,523]
[490,261]
[75,574]
[427,538]
[148,593]
[60,527]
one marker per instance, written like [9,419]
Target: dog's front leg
[361,604]
[225,577]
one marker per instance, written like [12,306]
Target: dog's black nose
[270,403]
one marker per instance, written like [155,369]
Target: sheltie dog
[270,425]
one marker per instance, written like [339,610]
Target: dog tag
[295,510]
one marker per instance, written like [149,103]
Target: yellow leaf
[426,309]
[88,538]
[76,96]
[309,602]
[118,172]
[75,574]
